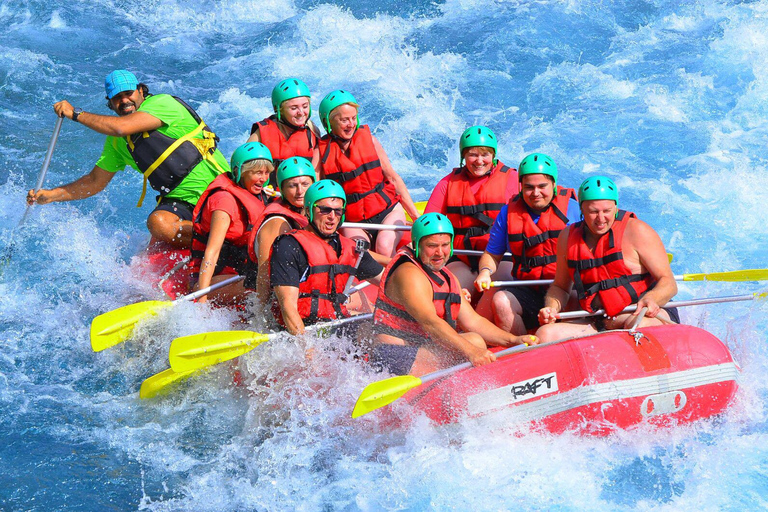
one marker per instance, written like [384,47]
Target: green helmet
[537,163]
[287,90]
[598,187]
[478,136]
[293,167]
[320,190]
[245,153]
[331,101]
[430,224]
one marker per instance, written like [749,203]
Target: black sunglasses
[326,210]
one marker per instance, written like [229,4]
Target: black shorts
[181,209]
[531,299]
[377,219]
[396,359]
[674,315]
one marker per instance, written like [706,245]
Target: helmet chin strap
[342,139]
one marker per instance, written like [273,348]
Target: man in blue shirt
[527,227]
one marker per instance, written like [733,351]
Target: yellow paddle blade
[160,382]
[419,206]
[757,274]
[116,326]
[670,256]
[201,350]
[383,392]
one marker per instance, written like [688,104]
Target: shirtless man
[613,259]
[421,307]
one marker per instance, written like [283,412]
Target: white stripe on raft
[596,393]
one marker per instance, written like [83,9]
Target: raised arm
[117,126]
[391,175]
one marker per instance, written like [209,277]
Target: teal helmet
[293,167]
[320,190]
[331,101]
[430,224]
[537,163]
[598,187]
[287,90]
[245,153]
[478,136]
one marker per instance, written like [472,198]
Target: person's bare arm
[487,267]
[408,287]
[288,298]
[653,257]
[117,126]
[85,186]
[560,290]
[220,222]
[391,175]
[271,229]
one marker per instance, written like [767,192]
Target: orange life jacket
[391,318]
[299,143]
[473,215]
[534,244]
[603,273]
[368,192]
[274,209]
[235,252]
[321,295]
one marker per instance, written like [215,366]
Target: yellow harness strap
[207,142]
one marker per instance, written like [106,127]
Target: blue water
[668,99]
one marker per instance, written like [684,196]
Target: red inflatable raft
[662,375]
[169,269]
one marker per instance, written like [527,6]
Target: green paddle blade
[116,326]
[758,274]
[160,382]
[201,350]
[383,392]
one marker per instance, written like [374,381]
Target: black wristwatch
[76,113]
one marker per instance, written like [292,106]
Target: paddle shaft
[731,276]
[205,291]
[46,163]
[674,304]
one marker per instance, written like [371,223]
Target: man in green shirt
[159,136]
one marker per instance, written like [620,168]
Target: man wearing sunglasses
[311,267]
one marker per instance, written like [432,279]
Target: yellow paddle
[384,392]
[760,274]
[116,326]
[197,351]
[159,383]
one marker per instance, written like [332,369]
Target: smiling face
[293,190]
[479,160]
[537,190]
[599,215]
[295,111]
[326,217]
[343,121]
[254,175]
[126,102]
[435,250]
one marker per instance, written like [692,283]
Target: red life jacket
[235,251]
[604,274]
[275,209]
[321,295]
[473,215]
[368,193]
[393,319]
[534,245]
[299,143]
